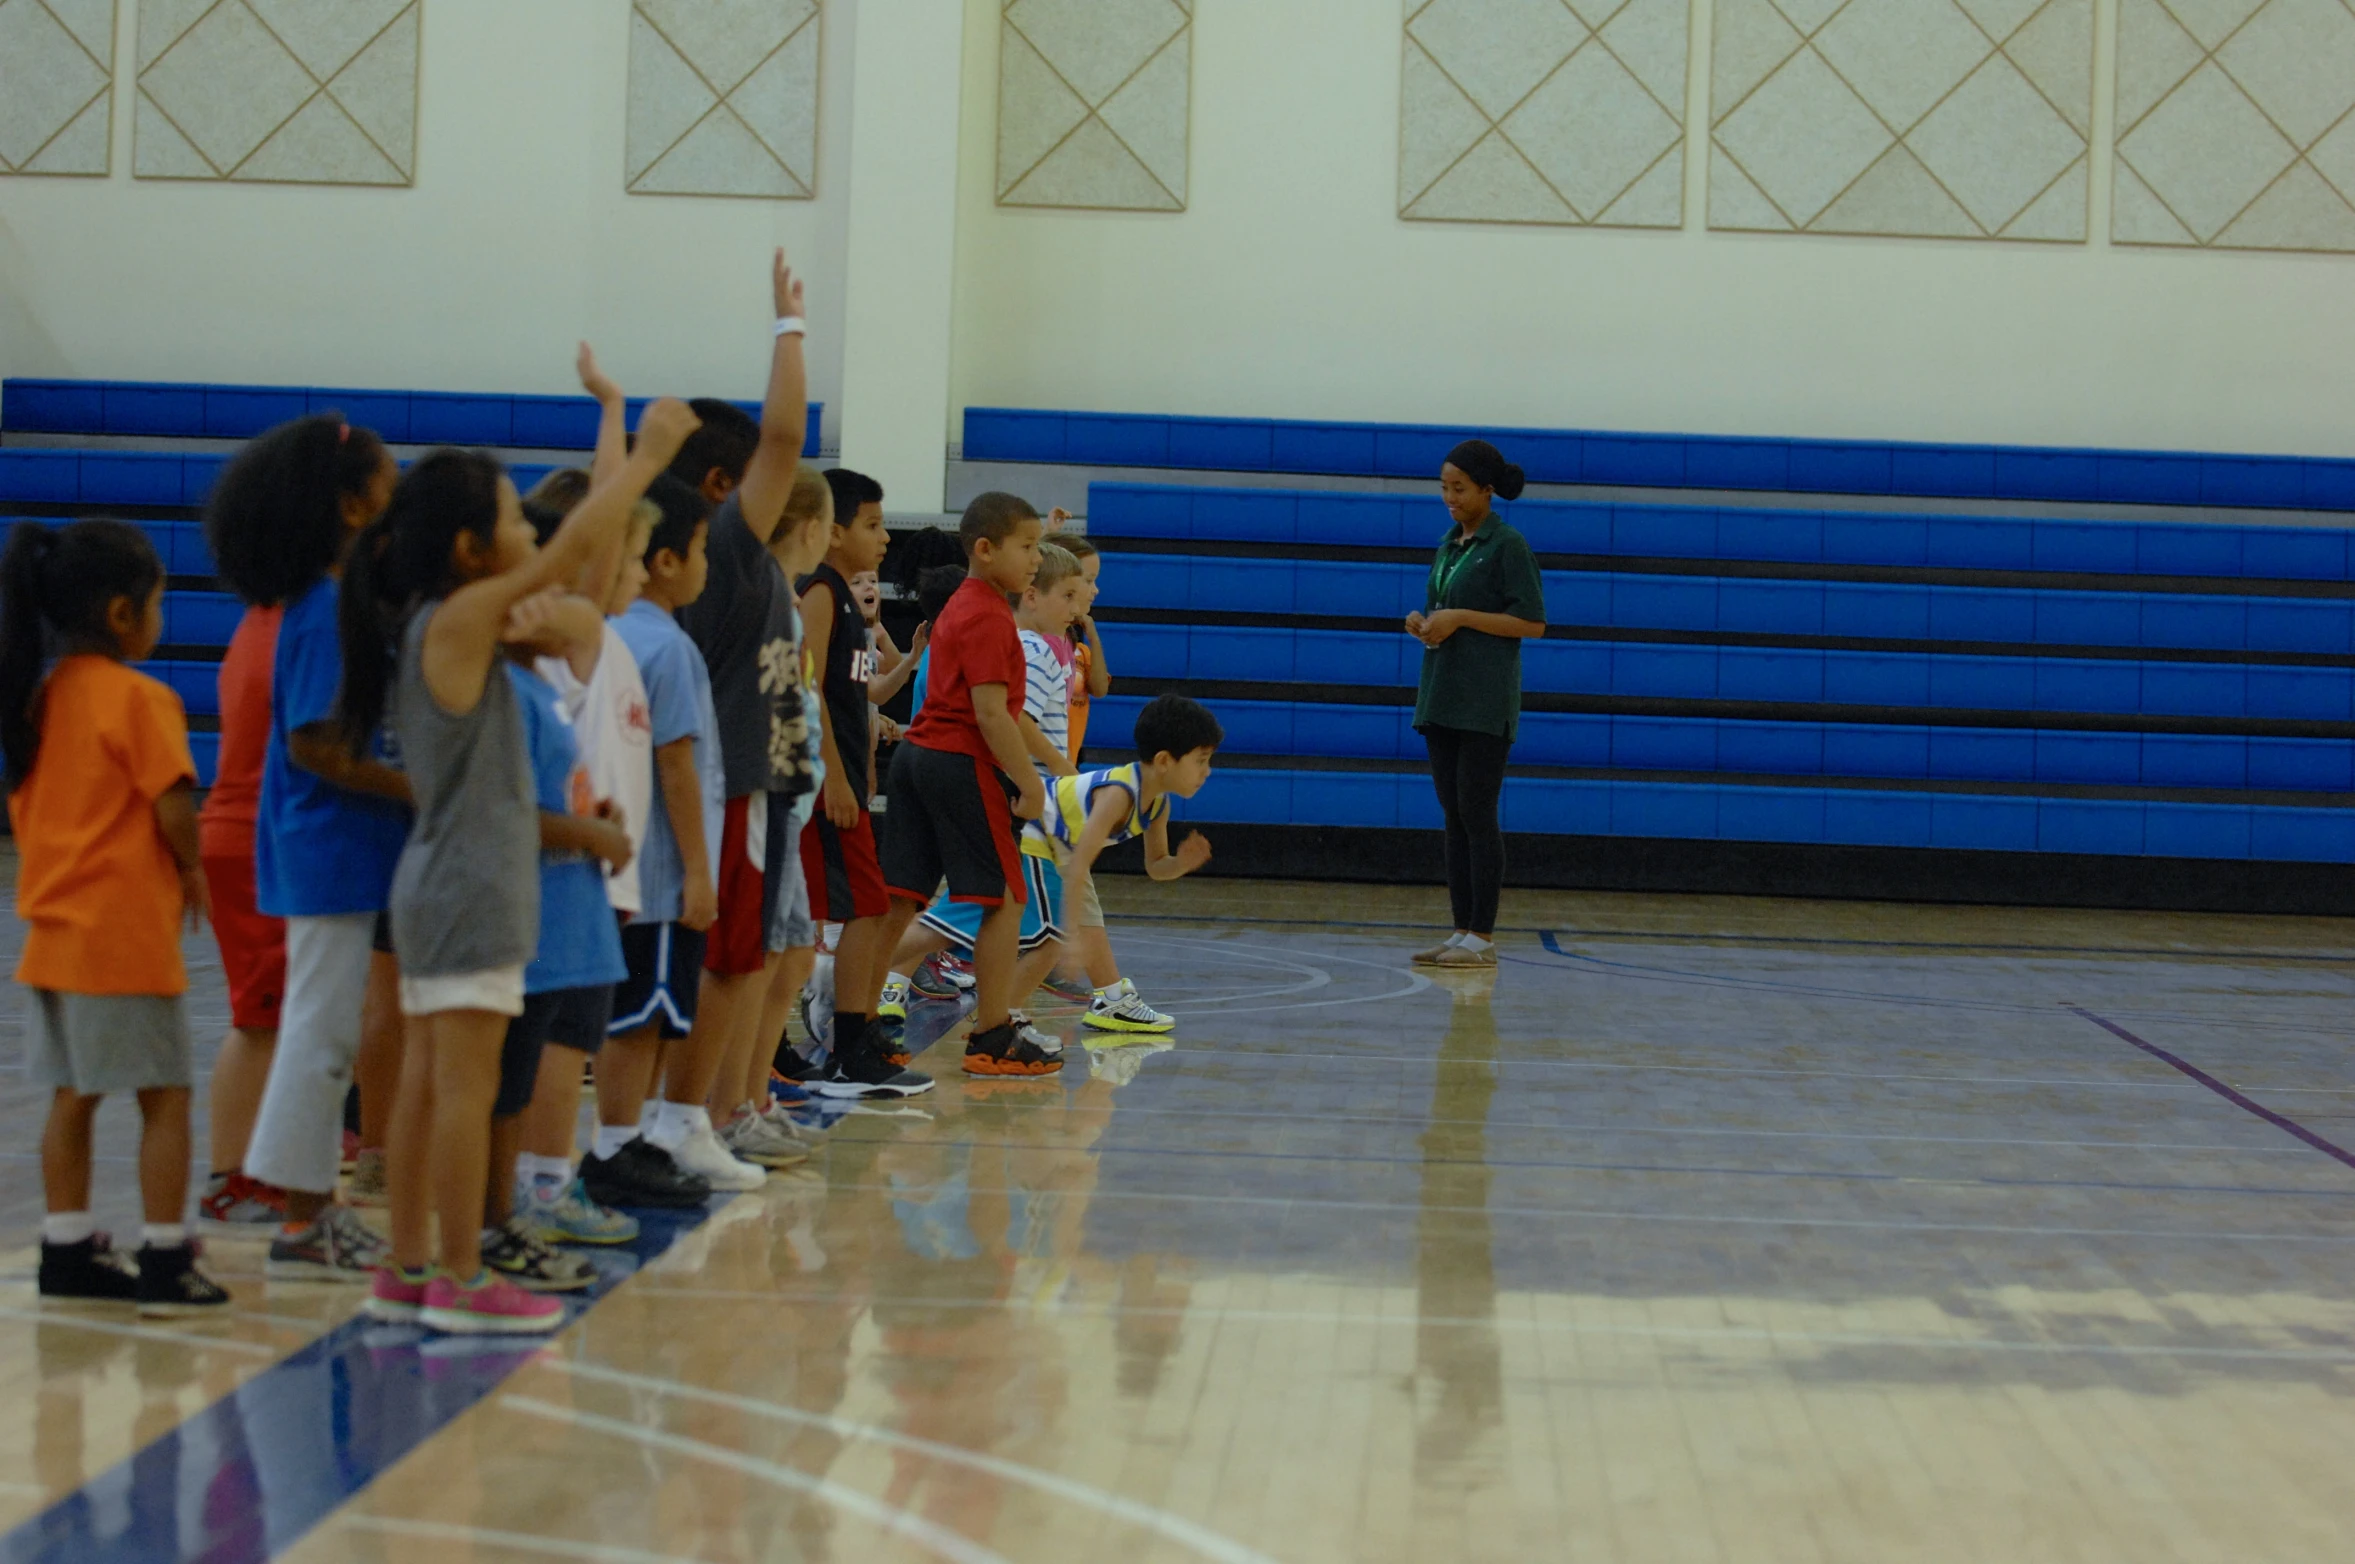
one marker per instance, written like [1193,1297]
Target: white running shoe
[1026,1030]
[1121,1008]
[701,1154]
[750,1137]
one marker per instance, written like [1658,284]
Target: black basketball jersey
[850,663]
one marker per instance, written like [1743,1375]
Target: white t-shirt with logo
[615,730]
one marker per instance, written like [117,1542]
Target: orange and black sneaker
[1004,1050]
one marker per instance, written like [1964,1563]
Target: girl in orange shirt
[103,803]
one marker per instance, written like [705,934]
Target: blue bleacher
[1676,461]
[145,409]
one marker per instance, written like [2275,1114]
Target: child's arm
[1042,749]
[784,417]
[318,748]
[1099,672]
[1162,864]
[466,632]
[1007,747]
[682,800]
[817,618]
[613,450]
[600,836]
[896,680]
[175,816]
[560,624]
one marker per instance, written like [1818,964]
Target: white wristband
[792,326]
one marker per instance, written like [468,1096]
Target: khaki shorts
[97,1043]
[1081,909]
[498,990]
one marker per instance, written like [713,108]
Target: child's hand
[664,427]
[699,905]
[609,842]
[1031,801]
[196,897]
[609,810]
[594,380]
[530,620]
[842,804]
[785,286]
[889,730]
[922,639]
[1192,853]
[1058,519]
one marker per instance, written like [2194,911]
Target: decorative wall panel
[319,92]
[56,86]
[1094,103]
[1544,111]
[1955,119]
[723,98]
[2233,124]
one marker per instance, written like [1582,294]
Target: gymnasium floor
[1704,1230]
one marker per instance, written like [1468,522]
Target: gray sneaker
[753,1138]
[513,1250]
[337,1247]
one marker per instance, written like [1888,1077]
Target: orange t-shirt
[96,883]
[235,803]
[1079,697]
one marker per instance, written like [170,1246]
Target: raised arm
[895,679]
[613,446]
[784,415]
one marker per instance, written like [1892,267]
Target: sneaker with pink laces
[490,1305]
[395,1296]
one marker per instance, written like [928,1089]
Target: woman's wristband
[792,326]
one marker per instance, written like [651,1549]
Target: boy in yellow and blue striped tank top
[1176,738]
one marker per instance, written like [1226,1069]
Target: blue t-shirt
[319,850]
[580,943]
[923,673]
[679,704]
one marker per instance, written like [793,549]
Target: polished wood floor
[1704,1229]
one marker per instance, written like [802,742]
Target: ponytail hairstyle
[399,562]
[275,519]
[1486,466]
[64,579]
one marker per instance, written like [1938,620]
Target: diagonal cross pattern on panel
[1094,103]
[723,98]
[1961,119]
[56,86]
[1543,111]
[2236,124]
[278,91]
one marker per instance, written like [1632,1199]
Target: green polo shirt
[1472,680]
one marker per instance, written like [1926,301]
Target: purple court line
[2278,1121]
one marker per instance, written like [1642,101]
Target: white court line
[1598,1214]
[1416,982]
[1176,1528]
[888,1519]
[139,1332]
[513,1541]
[1329,1319]
[1426,1061]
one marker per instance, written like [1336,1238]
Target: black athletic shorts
[567,1017]
[666,976]
[951,816]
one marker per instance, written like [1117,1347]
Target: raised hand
[785,287]
[1058,519]
[594,380]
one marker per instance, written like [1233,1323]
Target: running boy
[103,804]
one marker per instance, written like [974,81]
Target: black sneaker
[1005,1051]
[92,1271]
[513,1251]
[643,1175]
[790,1064]
[171,1285]
[864,1069]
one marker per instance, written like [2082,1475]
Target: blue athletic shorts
[959,922]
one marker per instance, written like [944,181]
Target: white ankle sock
[164,1235]
[647,1116]
[531,1170]
[67,1227]
[612,1137]
[1455,939]
[1475,944]
[674,1122]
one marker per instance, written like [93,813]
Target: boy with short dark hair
[951,782]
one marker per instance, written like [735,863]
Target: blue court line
[245,1479]
[2246,1104]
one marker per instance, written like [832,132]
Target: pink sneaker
[396,1296]
[493,1306]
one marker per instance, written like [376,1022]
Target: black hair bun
[1510,482]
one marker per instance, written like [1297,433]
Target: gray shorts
[790,926]
[97,1043]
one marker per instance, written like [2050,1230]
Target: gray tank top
[466,896]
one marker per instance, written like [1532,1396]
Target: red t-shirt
[974,641]
[226,824]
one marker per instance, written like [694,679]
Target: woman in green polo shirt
[1483,599]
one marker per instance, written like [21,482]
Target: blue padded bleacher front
[1183,513]
[1003,434]
[153,409]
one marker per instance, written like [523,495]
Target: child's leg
[239,1074]
[377,1069]
[299,1130]
[994,954]
[163,1155]
[498,1190]
[465,1066]
[1031,970]
[550,1123]
[1095,951]
[408,1151]
[858,968]
[792,976]
[626,1073]
[910,948]
[65,1151]
[740,1049]
[691,1068]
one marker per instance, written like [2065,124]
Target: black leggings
[1468,769]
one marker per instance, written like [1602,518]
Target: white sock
[67,1227]
[612,1137]
[537,1170]
[1475,944]
[1455,939]
[674,1122]
[164,1235]
[648,1115]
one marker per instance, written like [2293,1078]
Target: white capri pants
[298,1136]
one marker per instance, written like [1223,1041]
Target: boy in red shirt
[957,785]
